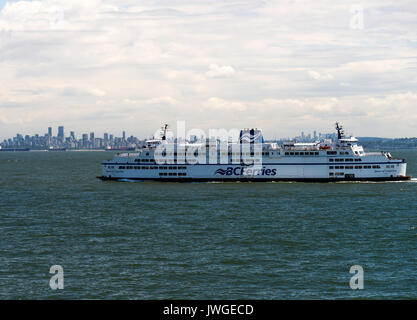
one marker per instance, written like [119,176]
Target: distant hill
[388,143]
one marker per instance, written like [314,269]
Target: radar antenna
[340,131]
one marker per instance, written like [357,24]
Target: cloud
[161,100]
[220,71]
[100,64]
[319,76]
[221,104]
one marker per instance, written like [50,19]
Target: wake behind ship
[324,161]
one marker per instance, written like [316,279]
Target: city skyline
[89,140]
[72,141]
[242,63]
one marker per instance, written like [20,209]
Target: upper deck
[251,149]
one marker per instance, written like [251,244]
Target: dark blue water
[148,240]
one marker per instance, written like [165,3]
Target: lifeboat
[325,147]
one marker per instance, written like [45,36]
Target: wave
[130,180]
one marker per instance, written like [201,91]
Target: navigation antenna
[164,128]
[340,131]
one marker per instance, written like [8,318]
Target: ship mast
[340,131]
[164,130]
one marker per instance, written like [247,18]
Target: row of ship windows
[170,154]
[356,167]
[345,160]
[150,167]
[335,152]
[145,160]
[170,174]
[336,174]
[301,153]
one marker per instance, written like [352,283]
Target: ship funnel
[251,136]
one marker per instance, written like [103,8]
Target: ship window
[331,152]
[331,167]
[358,167]
[340,173]
[331,174]
[287,153]
[331,160]
[316,153]
[376,167]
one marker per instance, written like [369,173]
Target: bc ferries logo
[220,171]
[242,171]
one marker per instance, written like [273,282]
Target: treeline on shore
[388,143]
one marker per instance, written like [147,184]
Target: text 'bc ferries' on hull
[255,160]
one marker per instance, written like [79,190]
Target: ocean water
[149,240]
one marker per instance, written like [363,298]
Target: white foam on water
[130,180]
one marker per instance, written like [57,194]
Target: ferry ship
[250,158]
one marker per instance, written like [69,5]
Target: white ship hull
[279,169]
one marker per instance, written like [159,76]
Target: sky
[283,66]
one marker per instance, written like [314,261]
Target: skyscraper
[124,135]
[61,133]
[50,131]
[85,139]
